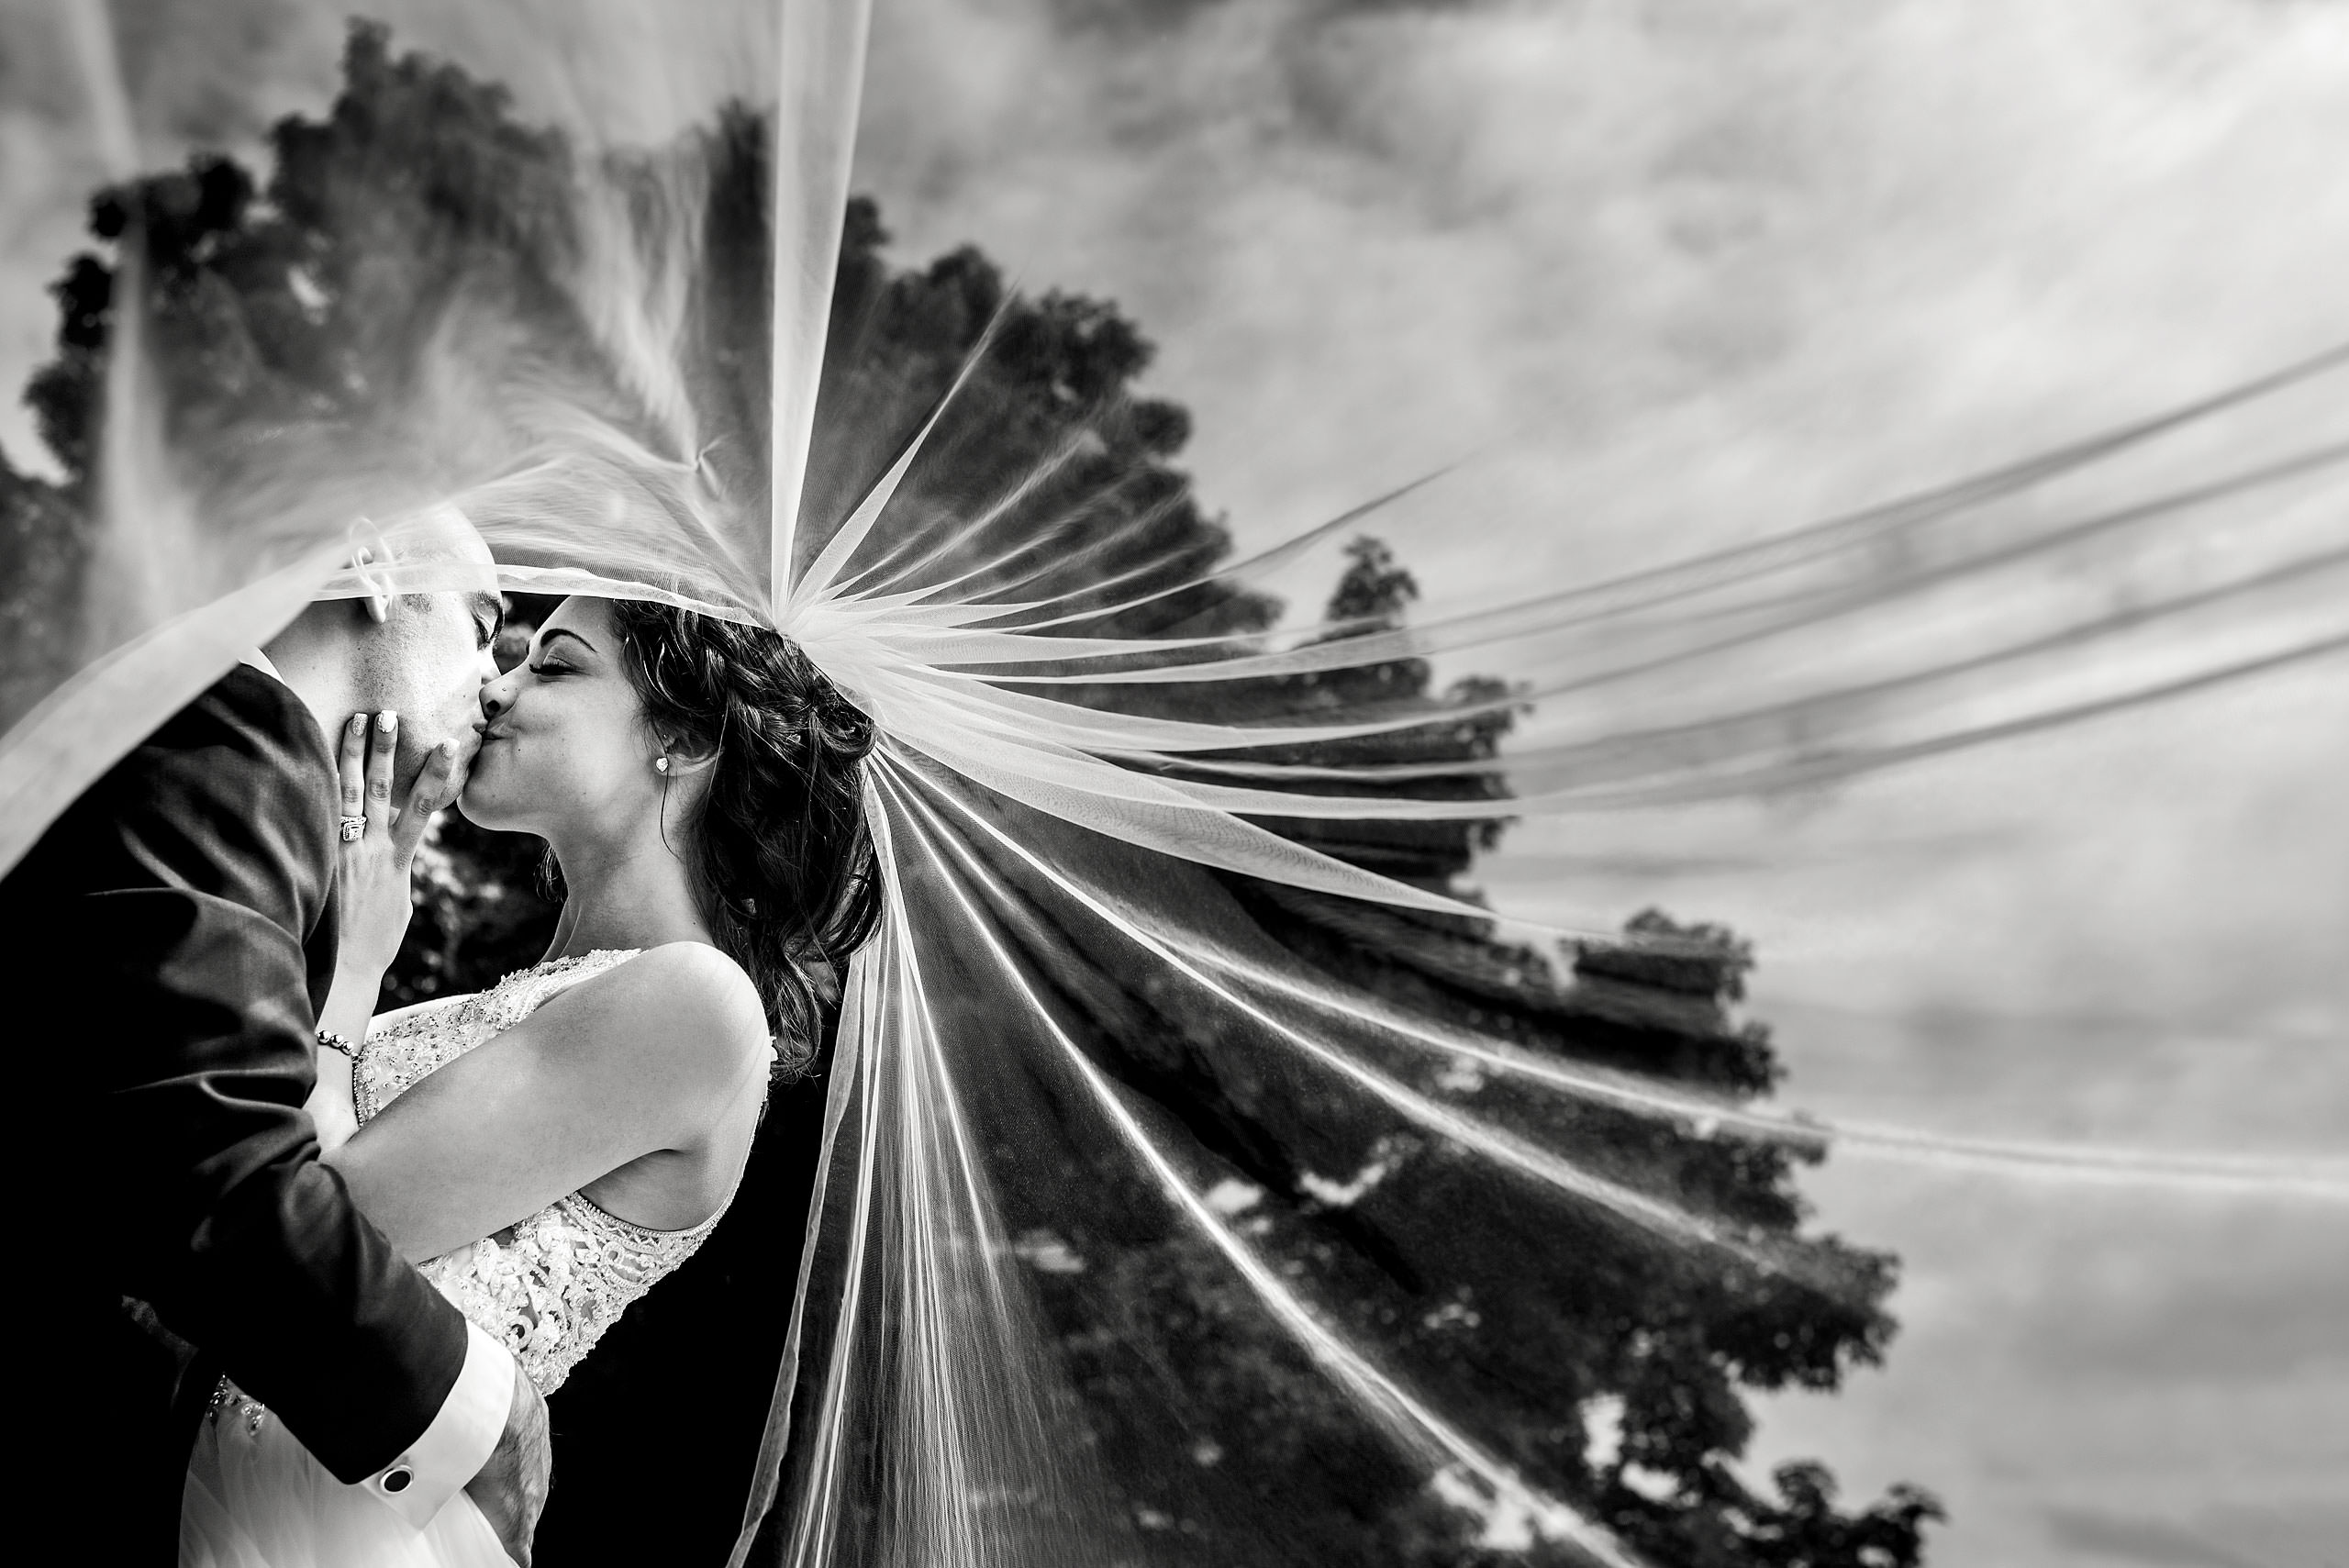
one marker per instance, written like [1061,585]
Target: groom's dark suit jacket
[169,941]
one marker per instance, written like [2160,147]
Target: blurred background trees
[1608,1369]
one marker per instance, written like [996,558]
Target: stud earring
[661,763]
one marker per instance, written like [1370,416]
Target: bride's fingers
[430,793]
[380,750]
[353,770]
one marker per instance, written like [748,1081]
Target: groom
[173,938]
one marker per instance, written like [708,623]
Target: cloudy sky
[1679,273]
[1675,273]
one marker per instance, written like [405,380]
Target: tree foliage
[1606,1366]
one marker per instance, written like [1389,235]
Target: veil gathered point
[1191,1136]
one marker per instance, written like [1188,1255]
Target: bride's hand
[374,877]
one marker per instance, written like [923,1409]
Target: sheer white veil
[1073,819]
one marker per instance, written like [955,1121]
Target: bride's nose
[496,697]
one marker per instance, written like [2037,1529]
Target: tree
[1608,1368]
[43,545]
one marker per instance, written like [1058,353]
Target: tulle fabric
[255,1498]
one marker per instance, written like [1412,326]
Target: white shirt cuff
[459,1442]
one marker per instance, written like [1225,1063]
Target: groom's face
[427,658]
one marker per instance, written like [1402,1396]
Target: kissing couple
[315,1270]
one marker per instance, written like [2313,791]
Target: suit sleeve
[223,1217]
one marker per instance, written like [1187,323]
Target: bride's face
[563,747]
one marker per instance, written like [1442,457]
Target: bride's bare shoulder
[682,1016]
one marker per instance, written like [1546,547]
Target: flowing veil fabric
[1071,1065]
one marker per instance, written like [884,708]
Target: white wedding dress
[546,1287]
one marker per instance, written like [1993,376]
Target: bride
[548,1150]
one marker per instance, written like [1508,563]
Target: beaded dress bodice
[547,1286]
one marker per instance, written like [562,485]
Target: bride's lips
[461,774]
[470,762]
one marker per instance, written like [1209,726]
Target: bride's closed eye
[551,661]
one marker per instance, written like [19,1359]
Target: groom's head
[407,628]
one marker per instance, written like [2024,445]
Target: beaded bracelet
[334,1042]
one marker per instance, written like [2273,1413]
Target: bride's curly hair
[782,857]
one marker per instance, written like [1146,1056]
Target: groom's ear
[377,601]
[369,555]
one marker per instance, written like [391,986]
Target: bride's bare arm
[330,1104]
[650,1056]
[346,1016]
[372,887]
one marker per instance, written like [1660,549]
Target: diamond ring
[353,829]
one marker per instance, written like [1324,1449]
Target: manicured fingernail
[387,721]
[358,722]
